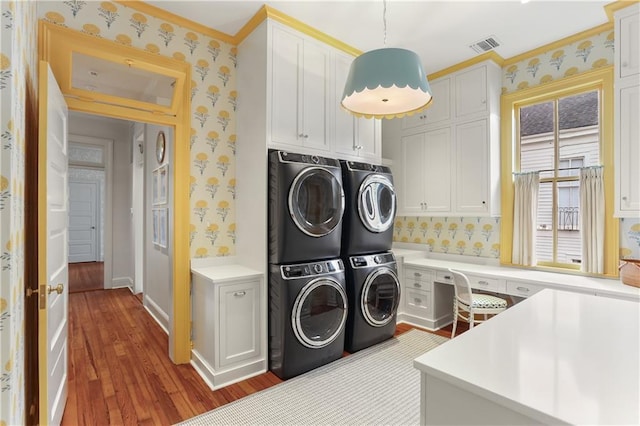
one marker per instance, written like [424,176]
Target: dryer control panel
[372,260]
[310,269]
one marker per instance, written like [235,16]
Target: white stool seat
[486,301]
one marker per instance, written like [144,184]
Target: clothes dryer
[307,316]
[373,290]
[371,208]
[306,205]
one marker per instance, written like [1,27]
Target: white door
[83,220]
[53,274]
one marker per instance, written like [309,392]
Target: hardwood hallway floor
[120,373]
[86,276]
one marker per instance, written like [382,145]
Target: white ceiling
[439,31]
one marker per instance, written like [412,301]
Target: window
[556,138]
[556,129]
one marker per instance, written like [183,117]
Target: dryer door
[380,297]
[319,313]
[316,201]
[377,203]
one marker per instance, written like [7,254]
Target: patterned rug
[377,385]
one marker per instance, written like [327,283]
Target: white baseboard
[119,282]
[224,377]
[161,317]
[432,325]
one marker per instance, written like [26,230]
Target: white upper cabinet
[450,157]
[357,139]
[300,99]
[627,111]
[438,112]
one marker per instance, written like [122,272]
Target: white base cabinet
[627,111]
[228,325]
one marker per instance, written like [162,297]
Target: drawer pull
[239,293]
[417,300]
[417,274]
[447,277]
[417,285]
[522,289]
[483,283]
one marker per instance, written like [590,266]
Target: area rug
[376,386]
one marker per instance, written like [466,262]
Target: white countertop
[556,357]
[568,281]
[225,272]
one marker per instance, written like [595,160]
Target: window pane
[579,132]
[536,138]
[569,242]
[544,233]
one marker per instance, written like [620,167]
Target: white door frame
[107,145]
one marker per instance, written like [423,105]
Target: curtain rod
[564,168]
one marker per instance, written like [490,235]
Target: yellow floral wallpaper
[630,238]
[469,236]
[18,59]
[213,105]
[574,58]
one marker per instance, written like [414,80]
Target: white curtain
[592,219]
[525,212]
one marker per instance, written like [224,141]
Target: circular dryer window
[377,203]
[319,313]
[380,297]
[316,201]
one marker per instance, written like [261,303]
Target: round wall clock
[161,147]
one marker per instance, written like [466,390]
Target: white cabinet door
[315,95]
[415,121]
[239,322]
[426,175]
[411,193]
[629,151]
[471,91]
[300,89]
[344,141]
[472,160]
[369,139]
[440,109]
[629,45]
[437,169]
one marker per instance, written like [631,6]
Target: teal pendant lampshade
[386,83]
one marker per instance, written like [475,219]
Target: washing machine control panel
[310,269]
[291,157]
[372,260]
[354,165]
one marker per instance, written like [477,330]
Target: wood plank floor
[86,276]
[120,373]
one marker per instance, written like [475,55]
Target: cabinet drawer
[485,283]
[417,275]
[444,277]
[521,289]
[418,303]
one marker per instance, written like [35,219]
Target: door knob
[93,227]
[58,289]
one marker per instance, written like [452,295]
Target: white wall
[119,132]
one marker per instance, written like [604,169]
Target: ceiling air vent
[485,45]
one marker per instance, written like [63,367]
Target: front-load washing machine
[371,208]
[373,291]
[307,316]
[306,205]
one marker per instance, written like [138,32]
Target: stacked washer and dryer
[373,289]
[307,291]
[333,284]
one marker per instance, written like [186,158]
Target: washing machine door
[380,297]
[319,313]
[377,203]
[316,201]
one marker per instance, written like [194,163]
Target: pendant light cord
[384,21]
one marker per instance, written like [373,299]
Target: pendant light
[386,83]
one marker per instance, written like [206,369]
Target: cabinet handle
[484,202]
[417,300]
[417,285]
[625,64]
[417,274]
[239,293]
[624,198]
[483,283]
[447,277]
[526,290]
[302,135]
